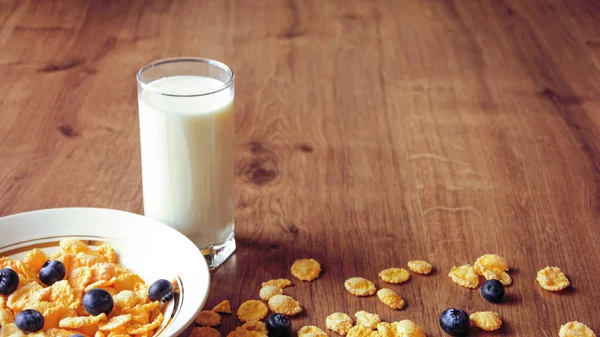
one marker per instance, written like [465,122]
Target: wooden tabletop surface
[369,133]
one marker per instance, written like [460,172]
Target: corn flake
[115,322]
[137,329]
[223,307]
[306,269]
[6,316]
[208,318]
[386,329]
[407,328]
[252,310]
[281,283]
[79,278]
[35,259]
[52,312]
[101,284]
[552,279]
[57,332]
[73,246]
[390,298]
[311,331]
[11,330]
[499,275]
[64,295]
[267,292]
[361,331]
[81,321]
[204,331]
[367,319]
[490,262]
[30,293]
[284,304]
[486,320]
[394,275]
[108,253]
[255,326]
[126,299]
[420,267]
[464,276]
[127,281]
[239,332]
[360,286]
[339,322]
[575,329]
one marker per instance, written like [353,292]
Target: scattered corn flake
[126,299]
[11,330]
[208,318]
[490,262]
[223,307]
[252,310]
[311,331]
[52,312]
[108,252]
[73,246]
[103,271]
[552,279]
[115,322]
[420,267]
[35,259]
[464,276]
[81,321]
[499,275]
[390,298]
[486,320]
[575,329]
[361,331]
[136,329]
[3,301]
[239,332]
[100,284]
[204,331]
[284,304]
[267,292]
[386,329]
[281,283]
[87,259]
[255,326]
[408,328]
[63,294]
[6,316]
[57,332]
[306,269]
[360,286]
[394,275]
[339,322]
[79,278]
[30,293]
[367,319]
[175,285]
[127,281]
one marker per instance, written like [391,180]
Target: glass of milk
[186,135]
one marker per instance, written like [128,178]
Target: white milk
[187,157]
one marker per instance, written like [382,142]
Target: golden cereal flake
[79,278]
[100,284]
[108,252]
[361,331]
[11,330]
[73,246]
[575,329]
[311,331]
[490,262]
[87,260]
[126,299]
[204,331]
[552,279]
[59,333]
[306,269]
[115,322]
[284,304]
[65,295]
[339,322]
[281,283]
[367,319]
[52,312]
[267,292]
[420,267]
[486,320]
[394,275]
[6,316]
[360,286]
[99,334]
[208,318]
[386,329]
[240,332]
[407,328]
[499,275]
[223,307]
[252,310]
[28,294]
[128,281]
[35,259]
[136,329]
[390,298]
[81,321]
[464,276]
[255,326]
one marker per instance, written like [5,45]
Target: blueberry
[493,291]
[51,272]
[279,326]
[161,290]
[455,322]
[97,301]
[9,281]
[29,321]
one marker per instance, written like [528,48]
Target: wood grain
[369,133]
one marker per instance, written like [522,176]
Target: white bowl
[147,247]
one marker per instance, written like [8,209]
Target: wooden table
[369,133]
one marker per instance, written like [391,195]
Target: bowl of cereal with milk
[97,273]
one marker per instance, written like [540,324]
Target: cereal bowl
[144,246]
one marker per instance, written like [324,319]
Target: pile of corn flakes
[133,313]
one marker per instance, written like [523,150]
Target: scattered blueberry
[493,291]
[97,301]
[9,281]
[279,326]
[161,290]
[51,272]
[455,322]
[29,321]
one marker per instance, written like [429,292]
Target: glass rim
[208,61]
